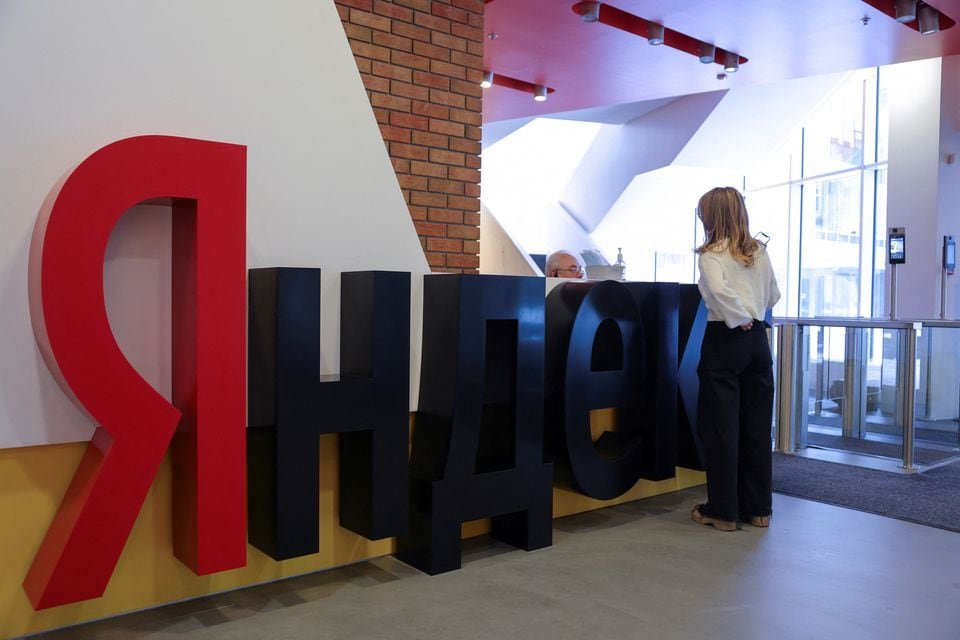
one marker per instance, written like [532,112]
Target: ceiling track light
[539,91]
[590,11]
[657,34]
[707,52]
[914,14]
[654,33]
[487,81]
[928,19]
[731,62]
[905,11]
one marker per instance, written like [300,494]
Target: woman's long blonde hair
[724,216]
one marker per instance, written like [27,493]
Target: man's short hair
[553,260]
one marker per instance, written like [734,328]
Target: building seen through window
[829,181]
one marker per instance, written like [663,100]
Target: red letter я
[205,183]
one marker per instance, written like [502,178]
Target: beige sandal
[759,521]
[722,525]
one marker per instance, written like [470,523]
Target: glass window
[883,116]
[835,136]
[781,167]
[822,214]
[830,262]
[675,267]
[836,213]
[770,213]
[869,79]
[879,244]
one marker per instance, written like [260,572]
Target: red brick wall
[421,62]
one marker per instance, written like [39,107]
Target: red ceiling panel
[590,65]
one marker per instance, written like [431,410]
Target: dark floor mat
[931,498]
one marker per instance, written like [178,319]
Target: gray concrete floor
[640,570]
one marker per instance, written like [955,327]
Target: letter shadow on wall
[613,345]
[477,441]
[291,404]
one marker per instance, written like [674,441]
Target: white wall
[277,77]
[621,152]
[501,255]
[751,122]
[654,217]
[913,180]
[943,371]
[948,222]
[523,177]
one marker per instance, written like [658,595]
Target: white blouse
[734,293]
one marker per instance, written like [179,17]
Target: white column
[913,180]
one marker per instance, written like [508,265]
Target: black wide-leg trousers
[734,417]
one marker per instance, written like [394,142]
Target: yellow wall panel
[34,479]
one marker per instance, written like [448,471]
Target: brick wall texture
[421,62]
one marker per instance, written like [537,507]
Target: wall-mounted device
[896,254]
[948,266]
[897,246]
[949,254]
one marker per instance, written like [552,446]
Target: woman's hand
[746,326]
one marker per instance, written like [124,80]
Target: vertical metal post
[791,389]
[900,392]
[909,369]
[943,293]
[801,370]
[854,400]
[786,353]
[823,372]
[893,291]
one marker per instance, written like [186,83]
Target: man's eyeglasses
[575,269]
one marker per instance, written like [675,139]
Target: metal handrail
[869,323]
[941,324]
[862,323]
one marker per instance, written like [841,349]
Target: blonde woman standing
[736,376]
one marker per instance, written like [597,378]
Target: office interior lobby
[280,359]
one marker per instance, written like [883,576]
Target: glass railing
[880,389]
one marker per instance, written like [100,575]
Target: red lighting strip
[889,7]
[620,19]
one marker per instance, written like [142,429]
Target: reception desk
[529,410]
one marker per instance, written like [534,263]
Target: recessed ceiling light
[731,62]
[657,34]
[654,33]
[708,53]
[590,11]
[905,11]
[929,19]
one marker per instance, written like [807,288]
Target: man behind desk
[564,264]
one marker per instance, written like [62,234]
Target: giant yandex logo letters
[496,360]
[206,183]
